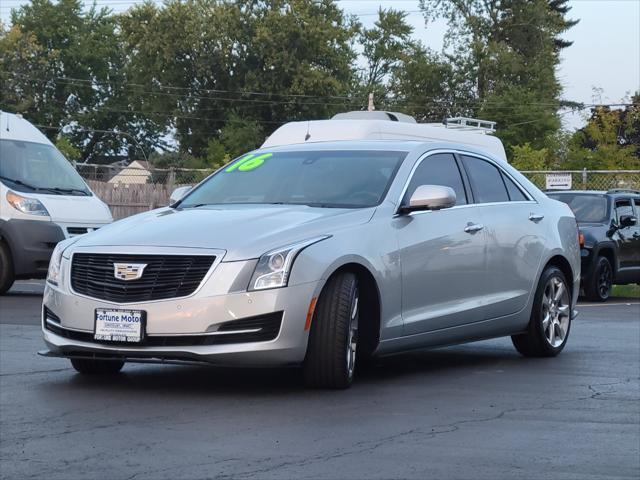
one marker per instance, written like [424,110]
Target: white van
[42,200]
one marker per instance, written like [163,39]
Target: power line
[189,94]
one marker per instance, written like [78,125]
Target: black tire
[598,287]
[535,341]
[327,363]
[96,367]
[6,269]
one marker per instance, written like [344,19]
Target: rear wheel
[550,320]
[6,269]
[333,340]
[598,287]
[96,367]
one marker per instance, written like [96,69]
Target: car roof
[409,146]
[15,127]
[350,129]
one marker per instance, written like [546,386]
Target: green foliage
[196,83]
[386,47]
[527,158]
[510,50]
[609,141]
[65,146]
[205,58]
[64,67]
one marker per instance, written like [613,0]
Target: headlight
[54,275]
[273,268]
[31,206]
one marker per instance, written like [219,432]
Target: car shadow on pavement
[189,380]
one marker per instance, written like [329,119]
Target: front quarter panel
[371,245]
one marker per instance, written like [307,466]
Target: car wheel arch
[560,262]
[608,251]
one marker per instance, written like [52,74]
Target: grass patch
[626,291]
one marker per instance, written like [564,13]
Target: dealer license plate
[119,325]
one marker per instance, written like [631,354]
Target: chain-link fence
[138,187]
[585,179]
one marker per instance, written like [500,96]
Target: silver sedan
[321,256]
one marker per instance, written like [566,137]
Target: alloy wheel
[604,281]
[556,311]
[352,338]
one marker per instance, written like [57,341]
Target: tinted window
[486,181]
[515,194]
[586,207]
[340,179]
[439,169]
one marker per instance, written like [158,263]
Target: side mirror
[179,193]
[627,221]
[430,197]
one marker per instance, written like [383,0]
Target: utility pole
[371,107]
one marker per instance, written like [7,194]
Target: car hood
[243,231]
[86,210]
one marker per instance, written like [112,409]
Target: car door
[441,253]
[514,226]
[624,237]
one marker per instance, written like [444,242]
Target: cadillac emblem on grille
[128,271]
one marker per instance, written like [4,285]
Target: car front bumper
[197,317]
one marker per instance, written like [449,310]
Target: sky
[605,53]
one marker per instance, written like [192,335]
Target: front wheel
[550,320]
[331,354]
[6,269]
[96,367]
[598,287]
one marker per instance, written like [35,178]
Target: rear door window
[515,194]
[486,181]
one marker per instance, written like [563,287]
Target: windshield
[30,167]
[339,179]
[587,208]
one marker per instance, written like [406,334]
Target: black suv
[609,238]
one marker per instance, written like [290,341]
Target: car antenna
[308,135]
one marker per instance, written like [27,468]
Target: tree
[67,149]
[385,48]
[610,140]
[509,49]
[425,86]
[201,60]
[26,72]
[527,158]
[81,59]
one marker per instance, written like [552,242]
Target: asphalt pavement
[477,411]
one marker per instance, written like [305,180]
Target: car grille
[261,328]
[165,276]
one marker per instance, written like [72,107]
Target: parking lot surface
[472,411]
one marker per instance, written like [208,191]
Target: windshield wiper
[25,184]
[196,205]
[69,190]
[18,182]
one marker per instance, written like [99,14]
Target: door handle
[473,228]
[535,217]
